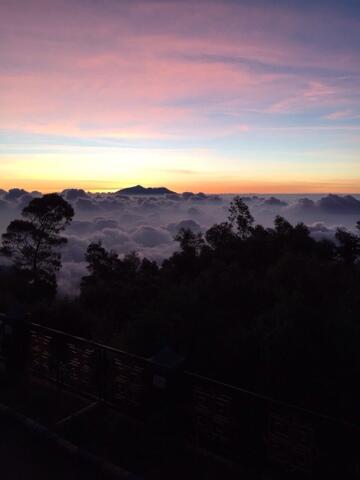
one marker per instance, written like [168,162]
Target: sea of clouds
[148,224]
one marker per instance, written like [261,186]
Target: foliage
[349,246]
[32,242]
[240,217]
[269,309]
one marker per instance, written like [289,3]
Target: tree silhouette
[349,246]
[32,242]
[190,243]
[100,262]
[220,235]
[240,217]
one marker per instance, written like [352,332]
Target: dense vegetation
[271,310]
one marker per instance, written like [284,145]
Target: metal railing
[222,419]
[91,369]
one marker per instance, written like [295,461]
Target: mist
[148,224]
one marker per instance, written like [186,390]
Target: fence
[90,369]
[256,430]
[221,419]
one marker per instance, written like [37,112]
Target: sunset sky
[218,96]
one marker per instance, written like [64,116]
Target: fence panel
[309,445]
[226,421]
[80,366]
[127,383]
[70,361]
[257,431]
[43,360]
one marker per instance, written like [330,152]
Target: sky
[201,95]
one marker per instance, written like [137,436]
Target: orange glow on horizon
[232,97]
[211,187]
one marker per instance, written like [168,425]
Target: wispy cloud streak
[181,72]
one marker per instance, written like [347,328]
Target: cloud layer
[148,224]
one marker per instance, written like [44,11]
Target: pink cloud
[341,114]
[125,67]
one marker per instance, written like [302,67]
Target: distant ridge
[140,190]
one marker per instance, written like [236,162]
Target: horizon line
[113,190]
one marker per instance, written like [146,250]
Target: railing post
[14,345]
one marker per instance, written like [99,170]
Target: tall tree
[240,217]
[32,243]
